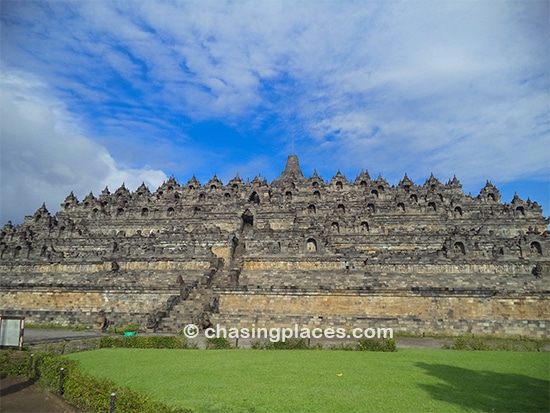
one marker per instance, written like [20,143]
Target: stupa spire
[292,167]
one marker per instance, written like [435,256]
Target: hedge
[88,393]
[173,342]
[14,363]
[386,345]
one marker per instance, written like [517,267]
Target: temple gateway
[339,253]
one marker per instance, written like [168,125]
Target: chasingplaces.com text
[275,334]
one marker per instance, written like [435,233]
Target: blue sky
[96,93]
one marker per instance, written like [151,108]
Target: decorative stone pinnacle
[292,167]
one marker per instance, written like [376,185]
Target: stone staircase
[195,309]
[198,301]
[194,304]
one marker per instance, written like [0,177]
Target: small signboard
[11,332]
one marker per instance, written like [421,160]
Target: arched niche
[459,248]
[311,245]
[254,198]
[520,211]
[536,248]
[247,221]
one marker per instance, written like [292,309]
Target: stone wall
[426,257]
[63,307]
[411,313]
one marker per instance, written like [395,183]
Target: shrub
[14,363]
[257,345]
[289,344]
[173,342]
[301,344]
[386,345]
[498,343]
[343,347]
[131,327]
[217,343]
[89,393]
[470,343]
[50,326]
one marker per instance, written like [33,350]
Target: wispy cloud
[453,88]
[44,156]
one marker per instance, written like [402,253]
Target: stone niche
[420,257]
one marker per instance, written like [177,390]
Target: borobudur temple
[416,258]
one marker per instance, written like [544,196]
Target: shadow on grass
[486,390]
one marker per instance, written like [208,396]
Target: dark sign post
[11,332]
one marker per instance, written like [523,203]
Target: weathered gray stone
[425,257]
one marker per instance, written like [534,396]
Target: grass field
[330,381]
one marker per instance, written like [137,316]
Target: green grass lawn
[411,380]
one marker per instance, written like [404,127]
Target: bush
[517,344]
[14,363]
[343,347]
[386,345]
[256,345]
[301,344]
[470,343]
[217,343]
[289,344]
[89,393]
[131,327]
[49,326]
[173,342]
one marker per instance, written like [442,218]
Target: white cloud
[43,155]
[426,86]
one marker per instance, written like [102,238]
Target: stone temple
[350,253]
